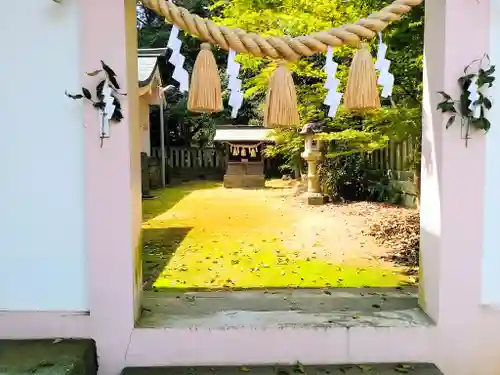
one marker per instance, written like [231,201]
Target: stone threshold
[284,308]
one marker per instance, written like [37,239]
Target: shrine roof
[242,133]
[147,68]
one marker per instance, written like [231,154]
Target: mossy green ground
[48,357]
[201,236]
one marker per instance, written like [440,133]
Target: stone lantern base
[314,199]
[313,196]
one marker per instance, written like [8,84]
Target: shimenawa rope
[283,47]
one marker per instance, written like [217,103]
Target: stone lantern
[312,155]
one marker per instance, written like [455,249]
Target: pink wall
[112,181]
[452,175]
[457,32]
[457,238]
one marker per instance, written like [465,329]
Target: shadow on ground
[273,289]
[159,246]
[166,198]
[201,237]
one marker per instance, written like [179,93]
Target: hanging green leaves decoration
[473,104]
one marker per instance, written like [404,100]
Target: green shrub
[349,178]
[344,177]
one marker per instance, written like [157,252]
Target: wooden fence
[394,161]
[192,162]
[395,158]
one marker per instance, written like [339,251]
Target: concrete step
[48,357]
[366,369]
[372,325]
[282,308]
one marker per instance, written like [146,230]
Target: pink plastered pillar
[453,175]
[112,182]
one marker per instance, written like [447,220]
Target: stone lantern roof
[314,128]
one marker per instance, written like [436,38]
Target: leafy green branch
[100,100]
[471,112]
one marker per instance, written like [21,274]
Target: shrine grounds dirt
[201,236]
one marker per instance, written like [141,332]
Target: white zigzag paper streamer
[177,60]
[333,97]
[473,96]
[108,100]
[386,78]
[109,109]
[234,85]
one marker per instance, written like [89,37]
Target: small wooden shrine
[244,158]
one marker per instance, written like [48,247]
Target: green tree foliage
[182,127]
[300,17]
[400,116]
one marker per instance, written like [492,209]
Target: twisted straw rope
[283,47]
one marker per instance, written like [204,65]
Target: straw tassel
[281,101]
[362,91]
[205,92]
